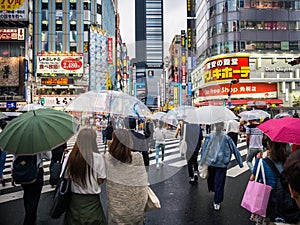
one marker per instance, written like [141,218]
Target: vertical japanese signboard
[109,50]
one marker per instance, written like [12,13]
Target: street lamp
[229,92]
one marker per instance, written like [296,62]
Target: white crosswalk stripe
[172,158]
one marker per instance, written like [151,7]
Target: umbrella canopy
[285,129]
[166,118]
[254,114]
[3,116]
[210,115]
[170,119]
[158,115]
[29,107]
[281,115]
[37,131]
[113,102]
[181,112]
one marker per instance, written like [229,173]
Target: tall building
[73,48]
[243,53]
[149,49]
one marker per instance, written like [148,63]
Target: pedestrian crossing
[172,158]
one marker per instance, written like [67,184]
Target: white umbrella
[170,119]
[210,115]
[29,107]
[166,118]
[181,112]
[158,115]
[3,116]
[254,114]
[108,101]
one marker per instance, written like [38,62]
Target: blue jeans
[251,153]
[159,147]
[2,162]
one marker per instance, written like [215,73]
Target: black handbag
[55,170]
[62,197]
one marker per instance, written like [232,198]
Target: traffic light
[294,62]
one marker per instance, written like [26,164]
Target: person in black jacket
[139,140]
[193,138]
[149,130]
[108,133]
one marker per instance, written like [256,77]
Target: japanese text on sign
[60,64]
[227,68]
[13,9]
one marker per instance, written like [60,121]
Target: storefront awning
[241,102]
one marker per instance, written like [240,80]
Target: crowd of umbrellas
[40,129]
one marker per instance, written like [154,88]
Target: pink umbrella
[285,129]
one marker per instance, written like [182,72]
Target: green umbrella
[37,131]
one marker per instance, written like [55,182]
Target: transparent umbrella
[108,101]
[182,112]
[158,115]
[254,114]
[210,115]
[29,107]
[3,116]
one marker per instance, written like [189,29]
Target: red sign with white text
[110,50]
[241,90]
[183,75]
[227,68]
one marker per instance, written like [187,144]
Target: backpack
[281,207]
[25,169]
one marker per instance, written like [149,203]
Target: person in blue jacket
[216,154]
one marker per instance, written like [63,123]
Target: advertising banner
[14,10]
[12,34]
[227,67]
[60,63]
[57,100]
[109,50]
[241,90]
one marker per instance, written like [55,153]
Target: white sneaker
[157,167]
[217,206]
[162,163]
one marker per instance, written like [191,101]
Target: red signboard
[175,77]
[11,34]
[241,90]
[183,75]
[227,68]
[110,50]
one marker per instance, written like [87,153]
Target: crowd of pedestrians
[124,166]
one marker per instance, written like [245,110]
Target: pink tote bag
[257,194]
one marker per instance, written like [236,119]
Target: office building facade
[149,49]
[249,41]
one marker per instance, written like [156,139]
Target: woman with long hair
[127,180]
[86,168]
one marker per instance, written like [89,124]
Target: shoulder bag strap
[273,167]
[260,167]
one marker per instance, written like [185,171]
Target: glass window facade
[154,31]
[231,26]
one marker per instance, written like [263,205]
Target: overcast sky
[174,22]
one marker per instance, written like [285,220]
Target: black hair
[130,123]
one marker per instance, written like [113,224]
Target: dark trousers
[216,182]
[31,197]
[146,159]
[193,164]
[234,137]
